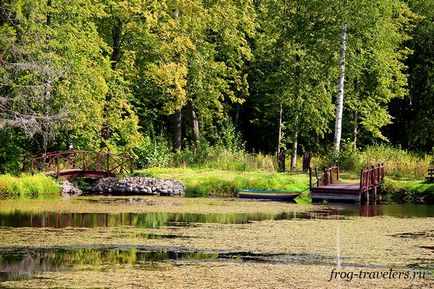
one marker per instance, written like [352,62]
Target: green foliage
[348,158]
[153,153]
[414,114]
[28,187]
[111,74]
[58,83]
[10,152]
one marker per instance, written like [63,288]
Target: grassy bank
[28,187]
[409,190]
[219,183]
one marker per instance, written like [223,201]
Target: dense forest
[239,74]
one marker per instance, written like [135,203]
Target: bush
[28,187]
[348,158]
[153,153]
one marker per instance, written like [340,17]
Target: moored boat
[285,196]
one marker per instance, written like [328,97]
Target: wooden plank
[337,197]
[341,186]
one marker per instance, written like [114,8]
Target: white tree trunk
[340,98]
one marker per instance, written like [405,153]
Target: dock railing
[329,176]
[370,177]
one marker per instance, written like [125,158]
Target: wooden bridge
[81,163]
[328,187]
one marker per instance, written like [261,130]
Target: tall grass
[28,187]
[398,163]
[157,154]
[221,158]
[218,183]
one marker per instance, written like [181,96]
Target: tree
[291,68]
[413,127]
[375,70]
[56,75]
[200,52]
[340,97]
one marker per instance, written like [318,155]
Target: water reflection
[155,220]
[391,210]
[142,220]
[20,264]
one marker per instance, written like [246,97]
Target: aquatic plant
[28,186]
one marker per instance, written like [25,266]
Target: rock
[69,190]
[139,185]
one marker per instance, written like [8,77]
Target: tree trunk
[178,113]
[114,58]
[178,130]
[117,38]
[49,4]
[340,97]
[194,124]
[297,112]
[294,149]
[355,129]
[237,114]
[279,136]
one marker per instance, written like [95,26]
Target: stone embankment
[138,186]
[69,190]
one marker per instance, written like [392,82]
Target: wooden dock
[327,186]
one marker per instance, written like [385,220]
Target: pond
[55,245]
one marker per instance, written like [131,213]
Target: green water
[19,262]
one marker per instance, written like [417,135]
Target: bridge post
[84,162]
[57,165]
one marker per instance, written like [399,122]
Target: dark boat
[285,196]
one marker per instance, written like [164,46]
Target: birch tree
[340,96]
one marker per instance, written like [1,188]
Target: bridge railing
[82,160]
